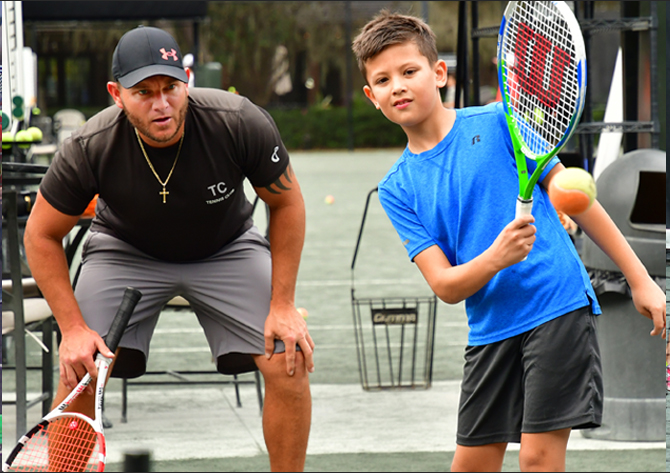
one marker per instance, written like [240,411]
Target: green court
[199,428]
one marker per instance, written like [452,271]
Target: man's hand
[286,324]
[649,300]
[77,353]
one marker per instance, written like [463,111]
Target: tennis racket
[542,75]
[70,441]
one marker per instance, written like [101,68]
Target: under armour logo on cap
[142,53]
[172,54]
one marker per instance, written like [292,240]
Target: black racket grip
[130,299]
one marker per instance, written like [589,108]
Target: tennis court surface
[200,428]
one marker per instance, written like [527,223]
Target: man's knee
[275,373]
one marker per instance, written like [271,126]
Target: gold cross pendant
[164,193]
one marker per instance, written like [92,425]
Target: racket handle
[523,207]
[130,299]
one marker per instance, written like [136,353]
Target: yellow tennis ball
[24,138]
[36,133]
[538,115]
[7,139]
[572,191]
[302,311]
[329,199]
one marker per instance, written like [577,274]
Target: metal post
[196,47]
[474,9]
[630,44]
[461,99]
[10,199]
[586,141]
[350,80]
[653,76]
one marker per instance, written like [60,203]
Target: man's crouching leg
[287,411]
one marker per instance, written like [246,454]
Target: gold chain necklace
[164,193]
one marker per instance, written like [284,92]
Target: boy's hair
[387,29]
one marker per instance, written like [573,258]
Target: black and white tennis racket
[70,441]
[542,76]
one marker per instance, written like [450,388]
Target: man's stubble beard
[143,128]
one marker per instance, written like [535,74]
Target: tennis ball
[7,139]
[302,311]
[538,115]
[36,133]
[329,199]
[24,138]
[572,191]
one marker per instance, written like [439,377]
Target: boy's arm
[648,298]
[453,284]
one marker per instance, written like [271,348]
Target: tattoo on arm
[278,186]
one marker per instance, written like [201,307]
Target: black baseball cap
[145,52]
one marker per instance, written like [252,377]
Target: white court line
[205,349]
[311,328]
[364,282]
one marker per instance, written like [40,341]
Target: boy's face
[403,84]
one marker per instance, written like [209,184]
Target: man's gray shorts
[229,292]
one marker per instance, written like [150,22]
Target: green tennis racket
[542,74]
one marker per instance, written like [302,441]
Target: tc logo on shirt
[219,192]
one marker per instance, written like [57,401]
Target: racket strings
[66,444]
[541,74]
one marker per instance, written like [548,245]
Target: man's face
[156,107]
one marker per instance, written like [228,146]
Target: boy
[532,366]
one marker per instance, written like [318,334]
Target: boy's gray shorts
[229,293]
[549,378]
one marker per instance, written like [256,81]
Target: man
[172,219]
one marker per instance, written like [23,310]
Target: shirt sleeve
[69,185]
[263,155]
[413,235]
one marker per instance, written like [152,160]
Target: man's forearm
[48,264]
[287,235]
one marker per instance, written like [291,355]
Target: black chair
[23,315]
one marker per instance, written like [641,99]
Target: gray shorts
[229,293]
[549,378]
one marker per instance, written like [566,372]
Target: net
[541,74]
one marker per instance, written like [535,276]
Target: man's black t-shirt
[227,138]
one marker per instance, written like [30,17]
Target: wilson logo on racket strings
[540,50]
[394,316]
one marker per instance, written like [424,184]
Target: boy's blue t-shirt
[459,196]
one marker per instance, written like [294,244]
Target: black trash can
[631,190]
